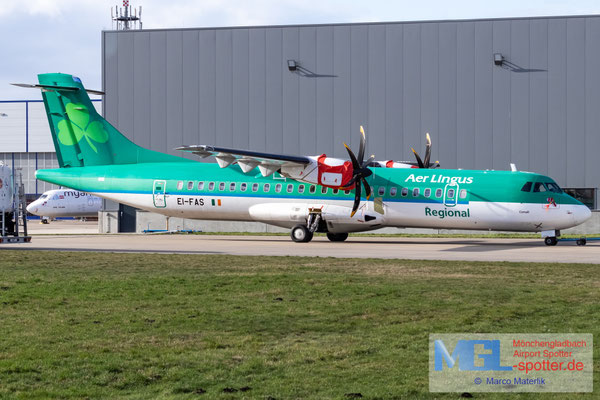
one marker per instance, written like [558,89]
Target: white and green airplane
[304,193]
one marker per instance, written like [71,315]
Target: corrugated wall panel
[359,84]
[592,103]
[207,87]
[538,99]
[575,148]
[394,93]
[430,94]
[411,88]
[376,90]
[519,94]
[307,90]
[276,66]
[501,100]
[557,100]
[158,91]
[125,90]
[174,78]
[190,90]
[240,88]
[484,95]
[291,93]
[465,96]
[142,85]
[324,91]
[224,88]
[342,54]
[257,68]
[447,70]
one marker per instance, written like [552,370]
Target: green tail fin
[81,136]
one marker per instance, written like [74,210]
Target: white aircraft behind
[65,203]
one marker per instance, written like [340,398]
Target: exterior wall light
[498,59]
[292,65]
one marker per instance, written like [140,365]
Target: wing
[267,163]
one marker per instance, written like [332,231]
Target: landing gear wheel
[337,237]
[550,241]
[301,234]
[581,242]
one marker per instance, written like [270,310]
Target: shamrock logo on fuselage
[81,127]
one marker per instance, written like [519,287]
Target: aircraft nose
[582,214]
[31,208]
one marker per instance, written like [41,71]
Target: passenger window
[450,193]
[463,193]
[539,187]
[211,186]
[266,187]
[381,190]
[243,187]
[179,185]
[335,191]
[301,189]
[416,192]
[438,193]
[254,187]
[290,187]
[200,185]
[232,187]
[278,187]
[527,187]
[324,190]
[393,191]
[190,185]
[312,189]
[427,192]
[347,191]
[222,186]
[404,192]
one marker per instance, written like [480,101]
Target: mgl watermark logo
[466,353]
[497,363]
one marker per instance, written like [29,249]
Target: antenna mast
[126,18]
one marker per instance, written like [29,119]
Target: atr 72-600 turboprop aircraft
[306,194]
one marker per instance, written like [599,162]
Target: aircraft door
[451,194]
[90,201]
[158,191]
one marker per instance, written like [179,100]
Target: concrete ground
[77,236]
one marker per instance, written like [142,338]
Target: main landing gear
[314,223]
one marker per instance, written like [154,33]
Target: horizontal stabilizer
[55,87]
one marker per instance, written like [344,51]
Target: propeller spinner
[360,171]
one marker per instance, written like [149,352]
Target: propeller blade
[356,200]
[350,182]
[363,144]
[368,162]
[419,161]
[367,188]
[355,164]
[427,150]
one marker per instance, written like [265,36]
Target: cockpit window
[527,187]
[539,187]
[553,187]
[43,196]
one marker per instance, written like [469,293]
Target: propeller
[425,163]
[360,171]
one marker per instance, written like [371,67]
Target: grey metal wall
[231,87]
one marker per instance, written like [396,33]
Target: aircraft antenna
[126,18]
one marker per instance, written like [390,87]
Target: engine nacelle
[337,218]
[323,170]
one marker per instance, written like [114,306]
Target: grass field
[140,326]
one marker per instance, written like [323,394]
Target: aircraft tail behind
[81,136]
